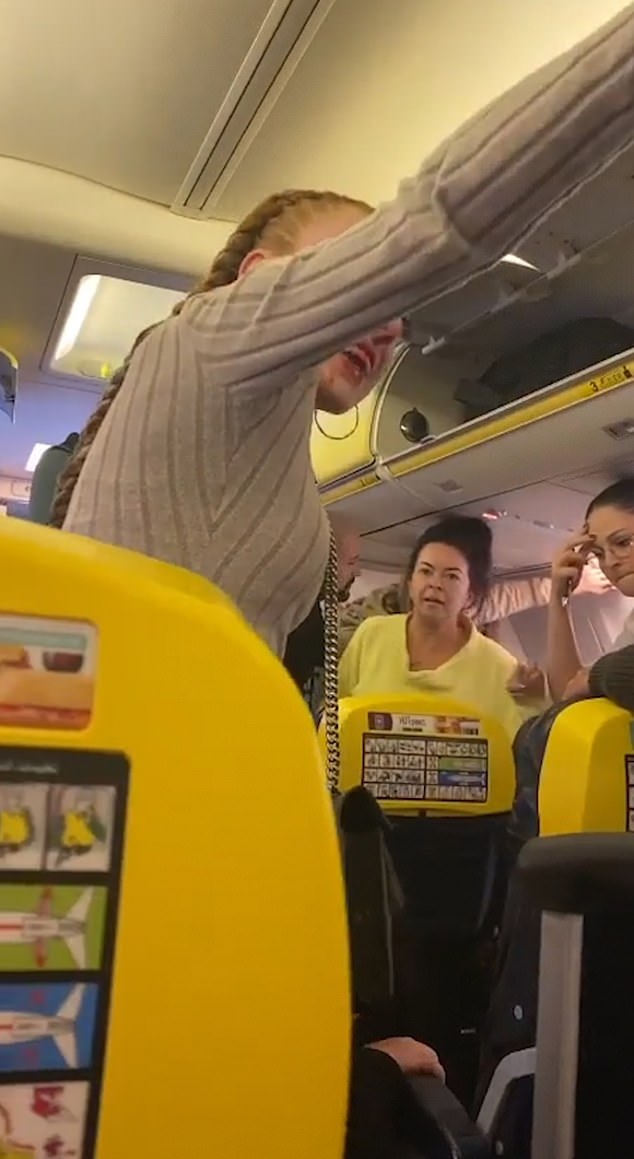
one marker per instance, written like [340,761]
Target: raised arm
[562,655]
[474,199]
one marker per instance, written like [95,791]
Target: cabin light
[77,315]
[103,319]
[35,456]
[514,260]
[542,524]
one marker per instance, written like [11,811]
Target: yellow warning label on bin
[612,378]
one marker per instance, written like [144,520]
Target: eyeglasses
[619,547]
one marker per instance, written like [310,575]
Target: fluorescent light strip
[83,300]
[514,260]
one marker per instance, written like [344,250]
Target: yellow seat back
[425,752]
[172,848]
[587,777]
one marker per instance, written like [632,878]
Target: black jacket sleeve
[377,1089]
[305,648]
[613,677]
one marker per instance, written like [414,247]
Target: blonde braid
[272,223]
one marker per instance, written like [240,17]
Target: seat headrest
[424,752]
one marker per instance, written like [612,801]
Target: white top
[625,636]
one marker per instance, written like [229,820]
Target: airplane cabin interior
[134,135]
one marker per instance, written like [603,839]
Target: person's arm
[376,1090]
[563,661]
[612,676]
[562,656]
[305,647]
[378,1093]
[526,683]
[350,662]
[490,185]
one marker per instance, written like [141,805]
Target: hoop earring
[338,438]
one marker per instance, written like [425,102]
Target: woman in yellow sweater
[436,648]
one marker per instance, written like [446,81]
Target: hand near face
[568,565]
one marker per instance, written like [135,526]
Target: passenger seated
[46,476]
[436,647]
[608,535]
[506,598]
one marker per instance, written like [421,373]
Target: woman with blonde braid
[199,452]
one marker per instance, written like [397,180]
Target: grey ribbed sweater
[203,459]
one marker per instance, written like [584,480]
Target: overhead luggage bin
[570,428]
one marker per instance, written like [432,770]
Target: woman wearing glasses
[608,535]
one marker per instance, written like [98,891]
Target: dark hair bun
[466,532]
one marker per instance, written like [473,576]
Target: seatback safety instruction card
[425,758]
[62,819]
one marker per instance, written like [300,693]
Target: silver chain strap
[331,667]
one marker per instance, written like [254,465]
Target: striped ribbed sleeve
[476,197]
